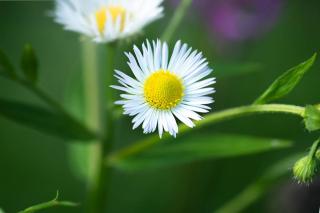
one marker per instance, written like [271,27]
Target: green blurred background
[34,165]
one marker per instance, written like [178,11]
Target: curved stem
[314,148]
[176,19]
[209,119]
[52,203]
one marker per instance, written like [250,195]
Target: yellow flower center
[163,90]
[115,12]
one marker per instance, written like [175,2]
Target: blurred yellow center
[115,12]
[163,90]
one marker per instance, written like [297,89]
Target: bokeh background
[261,38]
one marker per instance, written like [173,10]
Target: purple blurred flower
[238,20]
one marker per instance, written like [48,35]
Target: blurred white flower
[165,89]
[107,20]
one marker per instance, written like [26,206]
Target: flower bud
[305,169]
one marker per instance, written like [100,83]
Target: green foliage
[318,154]
[284,84]
[259,187]
[176,20]
[49,204]
[6,68]
[200,147]
[1,210]
[224,70]
[312,118]
[79,159]
[44,120]
[29,63]
[74,101]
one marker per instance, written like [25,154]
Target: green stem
[314,149]
[103,180]
[52,203]
[176,20]
[208,120]
[96,98]
[48,205]
[111,57]
[94,118]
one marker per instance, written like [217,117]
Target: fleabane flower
[107,20]
[164,89]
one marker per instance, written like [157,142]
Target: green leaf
[195,148]
[52,203]
[44,120]
[284,84]
[29,63]
[312,118]
[6,68]
[1,210]
[257,189]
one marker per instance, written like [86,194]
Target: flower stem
[94,118]
[176,20]
[100,116]
[209,119]
[103,180]
[314,149]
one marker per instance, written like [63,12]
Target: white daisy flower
[164,89]
[107,20]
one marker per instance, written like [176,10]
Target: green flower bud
[305,169]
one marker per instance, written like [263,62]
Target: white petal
[182,118]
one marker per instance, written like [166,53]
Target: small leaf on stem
[29,63]
[284,84]
[312,118]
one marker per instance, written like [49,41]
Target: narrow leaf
[189,149]
[52,203]
[312,118]
[29,63]
[6,68]
[44,120]
[284,84]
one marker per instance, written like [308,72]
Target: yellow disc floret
[163,90]
[115,12]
